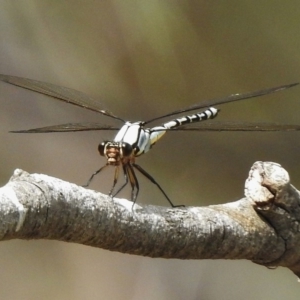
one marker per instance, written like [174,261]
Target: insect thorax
[131,140]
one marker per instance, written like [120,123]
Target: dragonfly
[133,139]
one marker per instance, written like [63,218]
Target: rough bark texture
[263,227]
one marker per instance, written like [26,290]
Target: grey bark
[262,227]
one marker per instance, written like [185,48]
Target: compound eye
[101,148]
[126,149]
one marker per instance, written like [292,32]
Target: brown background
[142,59]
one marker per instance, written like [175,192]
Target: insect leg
[126,181]
[147,175]
[116,176]
[93,175]
[134,184]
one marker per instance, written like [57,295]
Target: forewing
[230,98]
[58,92]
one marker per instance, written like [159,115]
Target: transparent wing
[207,126]
[70,127]
[58,92]
[230,98]
[238,126]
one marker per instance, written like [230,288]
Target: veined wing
[70,127]
[238,126]
[58,92]
[230,98]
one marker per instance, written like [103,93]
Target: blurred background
[142,59]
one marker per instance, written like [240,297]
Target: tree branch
[263,227]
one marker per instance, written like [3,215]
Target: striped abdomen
[209,113]
[158,131]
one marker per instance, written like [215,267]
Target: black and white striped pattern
[209,113]
[157,132]
[142,139]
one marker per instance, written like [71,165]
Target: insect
[133,138]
